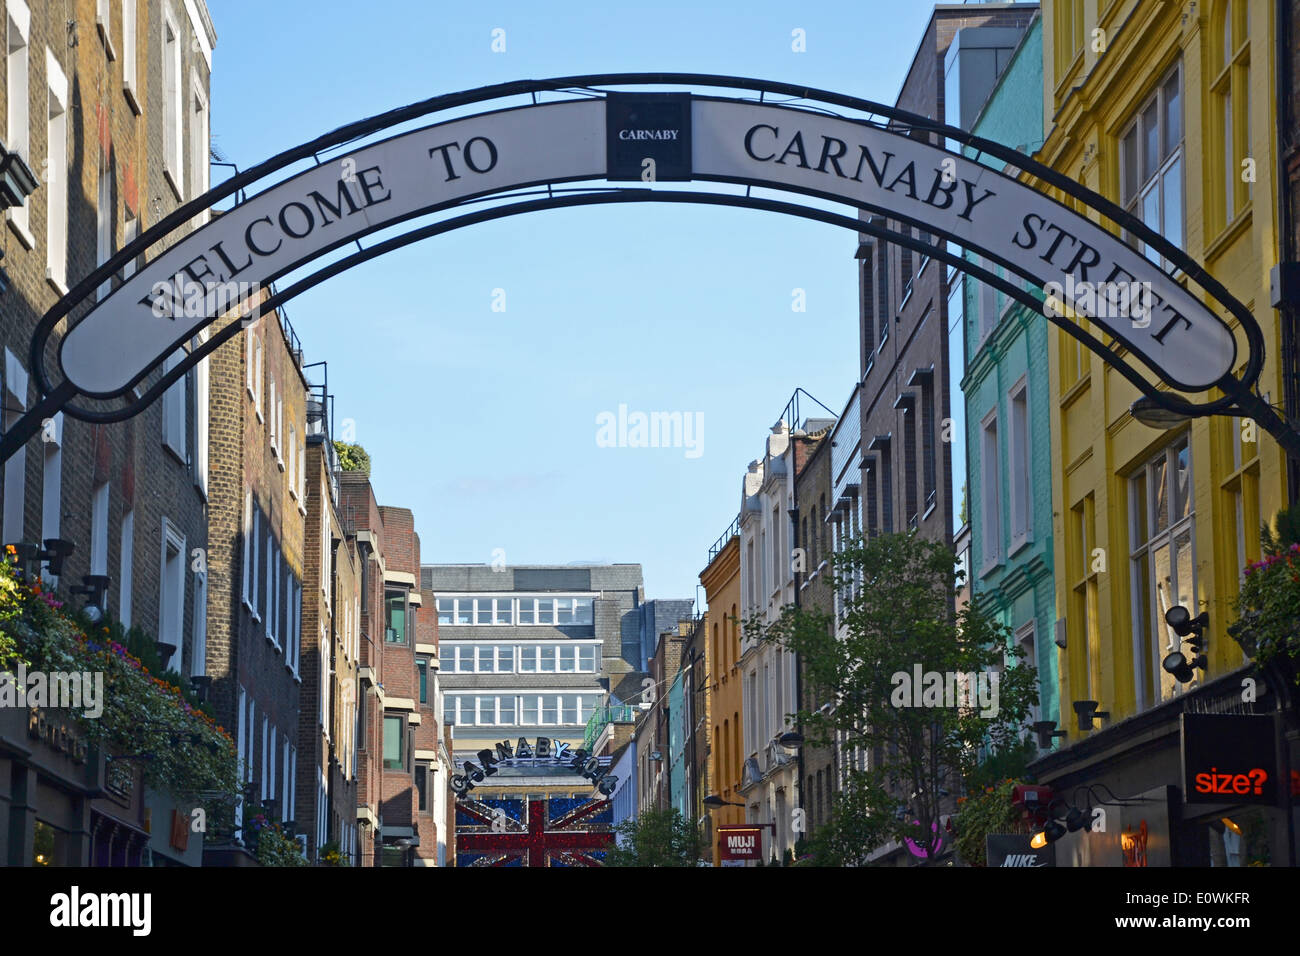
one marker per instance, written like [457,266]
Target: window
[56,177]
[1161,516]
[990,493]
[1151,166]
[52,478]
[270,410]
[1067,35]
[174,409]
[104,221]
[883,312]
[202,418]
[247,534]
[1018,458]
[198,135]
[446,608]
[126,568]
[291,454]
[128,53]
[1026,638]
[395,605]
[928,447]
[1084,572]
[171,604]
[422,666]
[199,657]
[18,130]
[886,486]
[1230,91]
[394,739]
[421,776]
[99,529]
[171,64]
[907,404]
[104,25]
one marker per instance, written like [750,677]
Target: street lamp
[1154,415]
[713,801]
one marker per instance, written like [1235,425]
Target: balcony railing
[733,530]
[618,714]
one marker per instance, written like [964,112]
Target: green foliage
[1268,609]
[656,838]
[275,848]
[987,811]
[331,854]
[856,826]
[352,457]
[1287,533]
[1009,763]
[901,618]
[189,754]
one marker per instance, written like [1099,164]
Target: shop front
[1202,780]
[49,778]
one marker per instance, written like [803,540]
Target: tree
[656,838]
[923,690]
[352,457]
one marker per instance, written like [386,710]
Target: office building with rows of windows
[533,651]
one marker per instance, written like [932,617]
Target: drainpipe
[1283,27]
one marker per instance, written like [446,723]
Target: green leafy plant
[352,457]
[656,838]
[331,854]
[987,811]
[1268,610]
[898,620]
[184,752]
[276,848]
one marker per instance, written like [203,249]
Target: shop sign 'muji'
[555,753]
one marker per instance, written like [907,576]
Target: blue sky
[484,423]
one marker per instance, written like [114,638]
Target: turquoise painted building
[1006,390]
[678,795]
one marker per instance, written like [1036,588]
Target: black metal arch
[1238,395]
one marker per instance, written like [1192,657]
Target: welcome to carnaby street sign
[874,166]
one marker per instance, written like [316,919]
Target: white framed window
[291,798]
[104,221]
[130,233]
[1018,464]
[266,737]
[126,567]
[51,478]
[1163,563]
[302,476]
[15,402]
[246,532]
[255,566]
[202,417]
[99,500]
[271,411]
[172,102]
[241,750]
[291,442]
[129,53]
[990,492]
[173,408]
[268,605]
[56,176]
[198,142]
[171,583]
[18,130]
[1151,165]
[1027,639]
[104,25]
[199,659]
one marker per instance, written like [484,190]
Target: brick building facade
[105,102]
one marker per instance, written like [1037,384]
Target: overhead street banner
[950,197]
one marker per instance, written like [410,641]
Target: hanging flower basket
[1268,609]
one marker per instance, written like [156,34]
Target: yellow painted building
[721,582]
[1165,108]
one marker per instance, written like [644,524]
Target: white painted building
[769,777]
